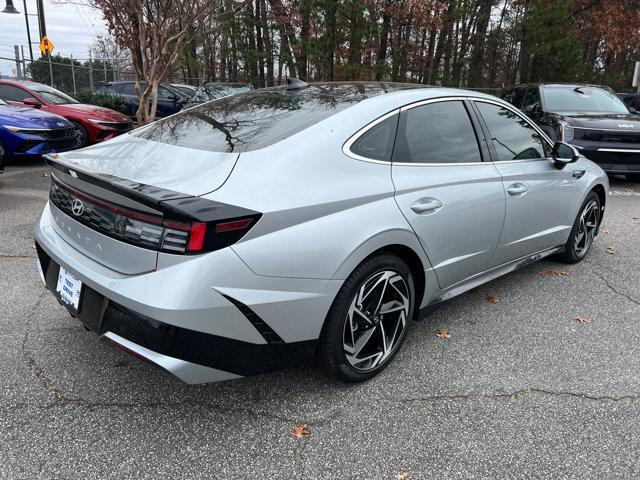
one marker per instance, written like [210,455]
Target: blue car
[28,132]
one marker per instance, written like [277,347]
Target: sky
[70,27]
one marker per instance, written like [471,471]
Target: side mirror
[563,154]
[34,102]
[534,109]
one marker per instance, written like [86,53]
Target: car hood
[26,117]
[89,111]
[180,169]
[625,122]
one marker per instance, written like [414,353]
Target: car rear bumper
[208,330]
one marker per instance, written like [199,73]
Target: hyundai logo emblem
[77,207]
[60,124]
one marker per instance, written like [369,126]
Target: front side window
[584,100]
[436,133]
[531,98]
[377,142]
[512,136]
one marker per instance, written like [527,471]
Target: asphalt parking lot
[518,390]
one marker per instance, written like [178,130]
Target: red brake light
[196,238]
[234,225]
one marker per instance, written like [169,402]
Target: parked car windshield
[257,119]
[52,95]
[210,91]
[582,100]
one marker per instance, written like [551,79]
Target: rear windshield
[257,119]
[211,91]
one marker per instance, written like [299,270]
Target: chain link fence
[75,75]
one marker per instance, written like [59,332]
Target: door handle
[517,189]
[578,173]
[425,205]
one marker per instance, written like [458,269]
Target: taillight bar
[149,231]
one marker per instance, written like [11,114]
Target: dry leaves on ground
[45,174]
[553,272]
[402,475]
[611,250]
[604,229]
[442,333]
[488,298]
[300,429]
[580,319]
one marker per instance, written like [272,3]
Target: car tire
[83,135]
[633,177]
[584,230]
[368,320]
[3,157]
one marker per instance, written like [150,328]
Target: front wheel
[369,319]
[82,135]
[583,231]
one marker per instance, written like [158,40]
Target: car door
[167,102]
[451,197]
[539,196]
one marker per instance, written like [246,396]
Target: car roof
[556,84]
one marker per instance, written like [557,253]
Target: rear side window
[531,98]
[436,133]
[128,88]
[377,142]
[14,94]
[512,136]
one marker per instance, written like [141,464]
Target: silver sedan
[275,226]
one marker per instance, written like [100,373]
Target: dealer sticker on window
[69,288]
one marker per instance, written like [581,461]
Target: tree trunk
[476,76]
[384,38]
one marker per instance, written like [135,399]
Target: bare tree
[155,32]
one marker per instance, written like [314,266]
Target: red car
[94,124]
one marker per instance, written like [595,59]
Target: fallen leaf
[402,475]
[580,319]
[492,299]
[611,250]
[45,174]
[636,218]
[442,333]
[604,229]
[553,272]
[300,429]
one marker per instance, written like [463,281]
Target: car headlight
[104,123]
[13,128]
[566,132]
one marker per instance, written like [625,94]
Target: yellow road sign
[46,46]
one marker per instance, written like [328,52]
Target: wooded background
[466,43]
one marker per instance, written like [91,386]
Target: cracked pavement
[519,390]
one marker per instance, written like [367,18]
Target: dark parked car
[170,100]
[590,117]
[632,101]
[211,90]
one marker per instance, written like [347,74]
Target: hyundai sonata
[258,230]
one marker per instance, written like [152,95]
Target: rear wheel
[583,231]
[369,319]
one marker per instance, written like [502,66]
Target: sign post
[636,77]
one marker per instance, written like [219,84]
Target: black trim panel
[265,330]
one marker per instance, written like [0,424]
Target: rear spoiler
[144,198]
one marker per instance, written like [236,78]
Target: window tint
[531,98]
[377,142]
[437,133]
[512,137]
[14,94]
